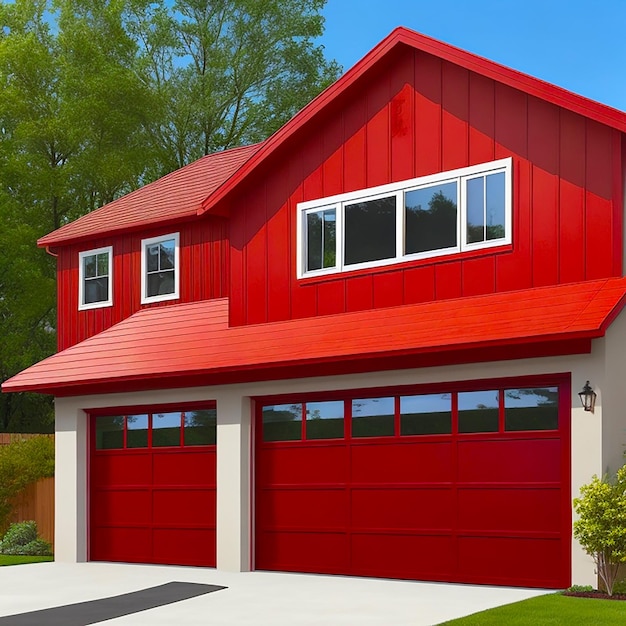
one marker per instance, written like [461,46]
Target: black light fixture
[588,397]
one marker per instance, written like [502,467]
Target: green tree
[228,72]
[601,527]
[99,98]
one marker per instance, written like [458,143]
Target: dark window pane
[200,427]
[476,209]
[531,409]
[166,429]
[110,432]
[478,411]
[161,283]
[96,290]
[324,420]
[370,231]
[103,264]
[137,431]
[373,417]
[428,414]
[167,249]
[314,240]
[90,266]
[321,239]
[431,218]
[495,206]
[152,257]
[282,422]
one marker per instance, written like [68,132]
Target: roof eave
[559,344]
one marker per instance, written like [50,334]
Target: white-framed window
[95,278]
[160,268]
[451,212]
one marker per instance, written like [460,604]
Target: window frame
[338,202]
[85,306]
[175,295]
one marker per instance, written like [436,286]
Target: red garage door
[459,484]
[152,486]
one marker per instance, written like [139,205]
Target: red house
[356,347]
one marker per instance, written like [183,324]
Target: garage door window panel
[137,427]
[200,428]
[479,411]
[427,414]
[166,429]
[373,417]
[282,422]
[110,432]
[535,408]
[325,420]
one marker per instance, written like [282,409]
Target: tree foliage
[99,98]
[601,527]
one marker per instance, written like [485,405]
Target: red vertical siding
[572,197]
[415,115]
[203,249]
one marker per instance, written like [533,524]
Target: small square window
[95,278]
[160,275]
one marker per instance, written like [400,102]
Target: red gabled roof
[404,36]
[177,195]
[188,344]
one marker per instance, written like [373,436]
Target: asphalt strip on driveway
[94,611]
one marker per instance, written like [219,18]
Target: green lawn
[553,609]
[5,559]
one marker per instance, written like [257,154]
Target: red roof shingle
[177,195]
[179,341]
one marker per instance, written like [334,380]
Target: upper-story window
[95,278]
[447,213]
[160,269]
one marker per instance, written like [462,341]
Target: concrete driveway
[253,599]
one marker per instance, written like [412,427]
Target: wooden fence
[36,502]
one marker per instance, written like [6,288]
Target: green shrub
[620,587]
[580,589]
[21,539]
[22,463]
[601,527]
[19,534]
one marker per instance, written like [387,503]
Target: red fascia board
[162,343]
[505,75]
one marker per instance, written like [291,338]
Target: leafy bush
[620,587]
[580,589]
[21,539]
[601,529]
[22,463]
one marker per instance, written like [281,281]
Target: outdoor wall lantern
[588,397]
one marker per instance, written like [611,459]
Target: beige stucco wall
[596,439]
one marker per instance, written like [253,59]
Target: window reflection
[137,431]
[428,414]
[324,420]
[282,422]
[431,218]
[479,411]
[166,429]
[321,239]
[109,432]
[200,428]
[532,408]
[373,417]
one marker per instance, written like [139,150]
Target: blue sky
[577,44]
